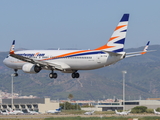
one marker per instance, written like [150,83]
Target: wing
[46,65]
[43,64]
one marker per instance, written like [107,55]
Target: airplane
[157,113]
[70,61]
[32,112]
[1,112]
[4,112]
[15,112]
[89,113]
[122,113]
[54,111]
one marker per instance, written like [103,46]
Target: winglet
[145,48]
[12,48]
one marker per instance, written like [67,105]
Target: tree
[70,96]
[149,111]
[158,109]
[139,109]
[69,106]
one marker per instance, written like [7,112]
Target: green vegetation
[70,96]
[69,106]
[86,118]
[139,109]
[21,118]
[150,118]
[103,118]
[149,111]
[158,109]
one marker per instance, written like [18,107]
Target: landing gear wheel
[75,75]
[53,75]
[15,74]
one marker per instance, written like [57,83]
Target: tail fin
[12,48]
[59,109]
[145,49]
[129,111]
[117,40]
[116,111]
[92,111]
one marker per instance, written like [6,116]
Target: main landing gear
[53,75]
[75,75]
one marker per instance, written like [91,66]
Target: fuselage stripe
[73,55]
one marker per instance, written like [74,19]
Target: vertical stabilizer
[117,40]
[145,49]
[12,48]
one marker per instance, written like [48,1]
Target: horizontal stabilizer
[132,54]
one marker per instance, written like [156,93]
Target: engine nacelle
[31,68]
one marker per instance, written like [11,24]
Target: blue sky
[82,24]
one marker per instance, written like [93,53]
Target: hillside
[142,79]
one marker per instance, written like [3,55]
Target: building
[112,106]
[37,104]
[152,104]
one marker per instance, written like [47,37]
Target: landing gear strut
[53,75]
[15,74]
[75,75]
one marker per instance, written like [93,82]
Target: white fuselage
[122,113]
[157,113]
[53,111]
[91,59]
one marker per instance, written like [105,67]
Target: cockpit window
[7,56]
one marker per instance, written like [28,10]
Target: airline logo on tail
[145,49]
[117,40]
[12,47]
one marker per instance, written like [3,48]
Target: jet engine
[31,68]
